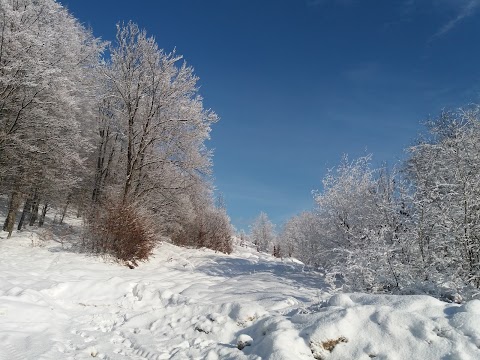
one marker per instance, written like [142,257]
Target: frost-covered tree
[262,233]
[243,238]
[151,131]
[357,232]
[151,153]
[301,238]
[153,123]
[379,230]
[45,94]
[122,135]
[444,170]
[362,226]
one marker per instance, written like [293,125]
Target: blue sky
[298,83]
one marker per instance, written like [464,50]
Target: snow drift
[196,304]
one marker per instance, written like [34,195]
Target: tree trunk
[10,203]
[12,213]
[41,221]
[65,210]
[25,212]
[100,162]
[34,212]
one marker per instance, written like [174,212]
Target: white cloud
[461,9]
[464,10]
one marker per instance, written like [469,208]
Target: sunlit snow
[198,304]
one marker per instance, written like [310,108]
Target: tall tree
[160,124]
[444,169]
[46,58]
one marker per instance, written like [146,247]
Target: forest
[411,228]
[117,133]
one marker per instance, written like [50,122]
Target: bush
[210,229]
[121,231]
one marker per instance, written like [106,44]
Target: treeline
[411,229]
[116,131]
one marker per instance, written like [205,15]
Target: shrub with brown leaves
[210,228]
[121,231]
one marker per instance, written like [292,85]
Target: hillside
[197,304]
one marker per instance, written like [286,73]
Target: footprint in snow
[131,347]
[9,352]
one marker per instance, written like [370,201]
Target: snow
[198,304]
[244,340]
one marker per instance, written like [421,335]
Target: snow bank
[196,304]
[392,327]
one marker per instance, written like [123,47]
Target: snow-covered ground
[197,304]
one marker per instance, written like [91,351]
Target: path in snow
[183,304]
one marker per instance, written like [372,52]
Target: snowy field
[198,304]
